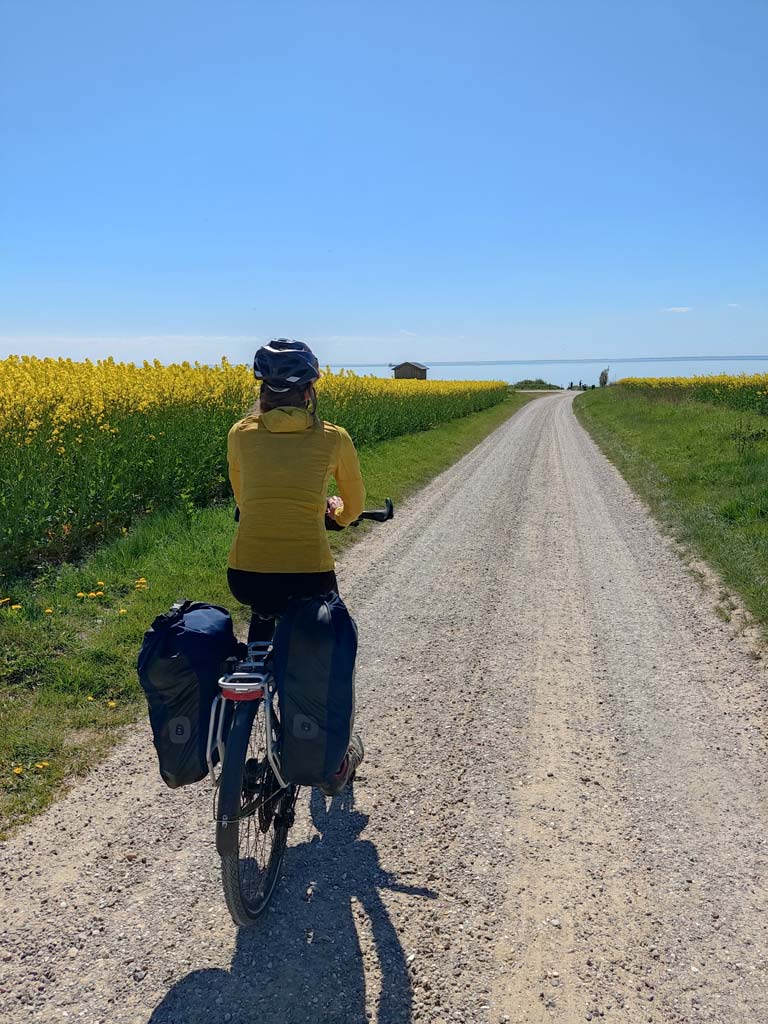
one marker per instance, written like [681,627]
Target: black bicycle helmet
[284,365]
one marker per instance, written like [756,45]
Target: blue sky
[434,180]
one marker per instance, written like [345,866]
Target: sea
[566,371]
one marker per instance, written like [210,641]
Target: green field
[703,469]
[87,449]
[67,677]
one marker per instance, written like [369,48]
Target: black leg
[260,629]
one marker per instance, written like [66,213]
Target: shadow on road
[302,962]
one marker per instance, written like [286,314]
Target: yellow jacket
[279,466]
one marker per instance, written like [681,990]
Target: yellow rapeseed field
[744,391]
[86,447]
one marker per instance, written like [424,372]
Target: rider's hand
[333,505]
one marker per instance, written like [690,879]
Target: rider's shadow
[302,963]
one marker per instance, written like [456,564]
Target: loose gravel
[561,815]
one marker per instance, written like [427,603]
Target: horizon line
[529,362]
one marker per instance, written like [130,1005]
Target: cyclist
[281,456]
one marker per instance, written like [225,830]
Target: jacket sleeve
[234,463]
[347,474]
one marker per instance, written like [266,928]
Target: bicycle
[254,805]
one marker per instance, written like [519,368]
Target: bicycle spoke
[261,818]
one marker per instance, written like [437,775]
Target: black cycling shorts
[268,593]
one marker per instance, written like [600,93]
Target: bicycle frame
[251,680]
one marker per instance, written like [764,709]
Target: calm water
[588,371]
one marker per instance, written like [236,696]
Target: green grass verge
[67,677]
[703,469]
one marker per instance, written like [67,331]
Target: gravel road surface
[561,817]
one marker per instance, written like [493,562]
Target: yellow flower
[92,594]
[100,583]
[80,594]
[111,703]
[15,607]
[90,698]
[49,611]
[140,580]
[122,611]
[41,764]
[60,405]
[99,593]
[18,770]
[4,600]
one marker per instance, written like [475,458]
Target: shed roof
[409,362]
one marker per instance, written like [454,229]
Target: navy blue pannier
[315,647]
[180,663]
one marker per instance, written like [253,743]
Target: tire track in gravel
[560,817]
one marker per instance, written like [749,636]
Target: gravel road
[561,817]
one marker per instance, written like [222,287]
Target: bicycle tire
[248,881]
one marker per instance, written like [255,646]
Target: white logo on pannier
[179,729]
[305,728]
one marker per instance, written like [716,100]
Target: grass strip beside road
[67,662]
[703,469]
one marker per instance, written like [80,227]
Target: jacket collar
[287,420]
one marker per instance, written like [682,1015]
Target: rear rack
[252,679]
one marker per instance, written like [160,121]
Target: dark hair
[294,399]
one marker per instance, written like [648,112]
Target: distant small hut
[410,371]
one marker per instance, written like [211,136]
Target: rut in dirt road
[561,816]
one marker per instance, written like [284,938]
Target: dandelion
[99,593]
[15,607]
[92,594]
[80,594]
[122,611]
[18,770]
[40,765]
[90,698]
[100,583]
[4,600]
[49,611]
[111,703]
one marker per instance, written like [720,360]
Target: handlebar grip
[380,515]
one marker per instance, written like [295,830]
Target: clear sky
[431,179]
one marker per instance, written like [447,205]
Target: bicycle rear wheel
[253,816]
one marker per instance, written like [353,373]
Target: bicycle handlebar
[375,515]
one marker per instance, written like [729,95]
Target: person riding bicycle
[281,457]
